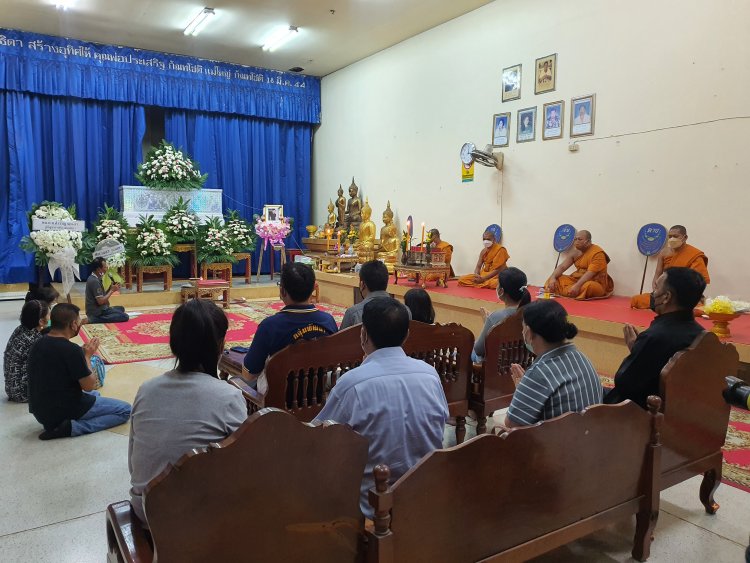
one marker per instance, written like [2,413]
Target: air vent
[296,69]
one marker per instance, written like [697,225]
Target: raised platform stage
[599,323]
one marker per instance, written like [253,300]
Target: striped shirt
[559,381]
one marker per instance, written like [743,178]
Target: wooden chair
[300,375]
[256,496]
[516,496]
[695,414]
[448,349]
[492,386]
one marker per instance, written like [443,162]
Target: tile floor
[53,496]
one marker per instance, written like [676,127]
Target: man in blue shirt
[299,319]
[394,401]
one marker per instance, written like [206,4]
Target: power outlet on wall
[573,147]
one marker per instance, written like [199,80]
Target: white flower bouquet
[43,244]
[167,168]
[214,243]
[150,245]
[241,232]
[180,222]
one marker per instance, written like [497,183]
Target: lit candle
[328,239]
[422,236]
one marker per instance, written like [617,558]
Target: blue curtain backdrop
[254,161]
[60,149]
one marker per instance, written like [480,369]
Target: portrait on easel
[273,213]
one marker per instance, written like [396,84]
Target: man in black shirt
[677,292]
[98,309]
[61,381]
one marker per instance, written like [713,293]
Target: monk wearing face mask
[492,260]
[678,254]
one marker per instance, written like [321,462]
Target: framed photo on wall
[500,129]
[273,212]
[553,118]
[582,112]
[526,126]
[512,83]
[545,76]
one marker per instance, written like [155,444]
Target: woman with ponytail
[34,317]
[512,291]
[561,379]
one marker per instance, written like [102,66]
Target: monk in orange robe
[440,245]
[492,260]
[678,254]
[590,280]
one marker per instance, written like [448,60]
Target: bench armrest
[127,540]
[251,395]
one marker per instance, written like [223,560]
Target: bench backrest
[494,493]
[257,496]
[695,413]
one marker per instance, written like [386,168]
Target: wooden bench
[492,386]
[695,414]
[256,496]
[516,496]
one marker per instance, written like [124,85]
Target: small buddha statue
[367,229]
[341,207]
[331,224]
[389,240]
[353,208]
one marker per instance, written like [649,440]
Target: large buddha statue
[341,208]
[367,229]
[389,241]
[353,208]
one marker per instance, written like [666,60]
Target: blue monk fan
[651,239]
[562,240]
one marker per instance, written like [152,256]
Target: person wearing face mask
[373,282]
[394,401]
[34,317]
[590,280]
[512,292]
[492,260]
[561,379]
[61,382]
[677,292]
[678,254]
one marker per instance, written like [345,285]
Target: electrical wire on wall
[500,196]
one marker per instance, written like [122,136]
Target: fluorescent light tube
[199,22]
[281,37]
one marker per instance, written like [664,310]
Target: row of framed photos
[553,119]
[545,78]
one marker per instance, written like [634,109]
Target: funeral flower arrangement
[273,232]
[110,224]
[150,245]
[44,244]
[167,168]
[180,222]
[240,231]
[214,243]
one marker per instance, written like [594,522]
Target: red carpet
[736,470]
[147,336]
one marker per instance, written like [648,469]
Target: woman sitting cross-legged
[561,379]
[188,407]
[34,317]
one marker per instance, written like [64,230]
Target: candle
[422,236]
[328,239]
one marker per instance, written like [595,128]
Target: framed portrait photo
[545,75]
[526,126]
[273,212]
[500,129]
[552,124]
[582,112]
[511,83]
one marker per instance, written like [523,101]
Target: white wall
[397,120]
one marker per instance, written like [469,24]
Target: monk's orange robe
[600,286]
[494,259]
[685,257]
[448,249]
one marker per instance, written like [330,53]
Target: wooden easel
[274,248]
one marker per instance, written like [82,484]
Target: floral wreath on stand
[180,222]
[240,231]
[43,244]
[110,224]
[273,232]
[166,168]
[150,245]
[214,243]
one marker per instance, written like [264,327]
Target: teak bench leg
[460,429]
[710,483]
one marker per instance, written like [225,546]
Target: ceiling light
[64,4]
[280,37]
[199,22]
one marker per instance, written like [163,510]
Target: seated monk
[492,260]
[678,254]
[441,246]
[590,280]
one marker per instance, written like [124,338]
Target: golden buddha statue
[341,207]
[367,229]
[353,208]
[331,224]
[389,240]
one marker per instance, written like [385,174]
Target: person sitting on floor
[34,317]
[299,319]
[48,294]
[98,309]
[420,306]
[677,292]
[590,280]
[512,291]
[561,379]
[60,378]
[492,260]
[161,430]
[373,282]
[394,401]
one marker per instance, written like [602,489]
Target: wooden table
[240,256]
[198,291]
[165,270]
[224,269]
[188,247]
[422,272]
